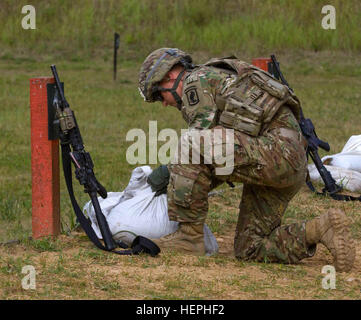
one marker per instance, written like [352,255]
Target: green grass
[107,110]
[86,28]
[45,244]
[326,78]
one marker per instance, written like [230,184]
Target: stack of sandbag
[345,167]
[137,211]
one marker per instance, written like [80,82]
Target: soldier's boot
[189,238]
[332,230]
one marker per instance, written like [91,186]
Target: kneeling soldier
[268,157]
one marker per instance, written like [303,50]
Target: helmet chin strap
[173,90]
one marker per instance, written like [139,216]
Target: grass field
[71,268]
[322,66]
[85,28]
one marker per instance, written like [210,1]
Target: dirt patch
[75,270]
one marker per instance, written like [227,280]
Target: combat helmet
[155,67]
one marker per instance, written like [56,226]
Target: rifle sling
[140,244]
[335,196]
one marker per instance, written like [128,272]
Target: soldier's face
[167,83]
[168,98]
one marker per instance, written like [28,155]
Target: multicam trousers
[272,168]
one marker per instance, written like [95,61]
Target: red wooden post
[261,63]
[44,164]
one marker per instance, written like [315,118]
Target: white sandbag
[350,156]
[136,211]
[348,179]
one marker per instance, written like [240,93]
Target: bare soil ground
[69,267]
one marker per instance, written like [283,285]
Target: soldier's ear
[175,71]
[166,78]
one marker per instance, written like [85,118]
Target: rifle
[308,130]
[73,152]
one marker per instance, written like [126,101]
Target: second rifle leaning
[308,130]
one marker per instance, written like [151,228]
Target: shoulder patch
[192,96]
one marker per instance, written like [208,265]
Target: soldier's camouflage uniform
[269,157]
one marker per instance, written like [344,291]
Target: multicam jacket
[234,94]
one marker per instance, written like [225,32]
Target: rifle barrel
[58,86]
[275,63]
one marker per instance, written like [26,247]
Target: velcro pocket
[183,188]
[238,122]
[270,85]
[244,116]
